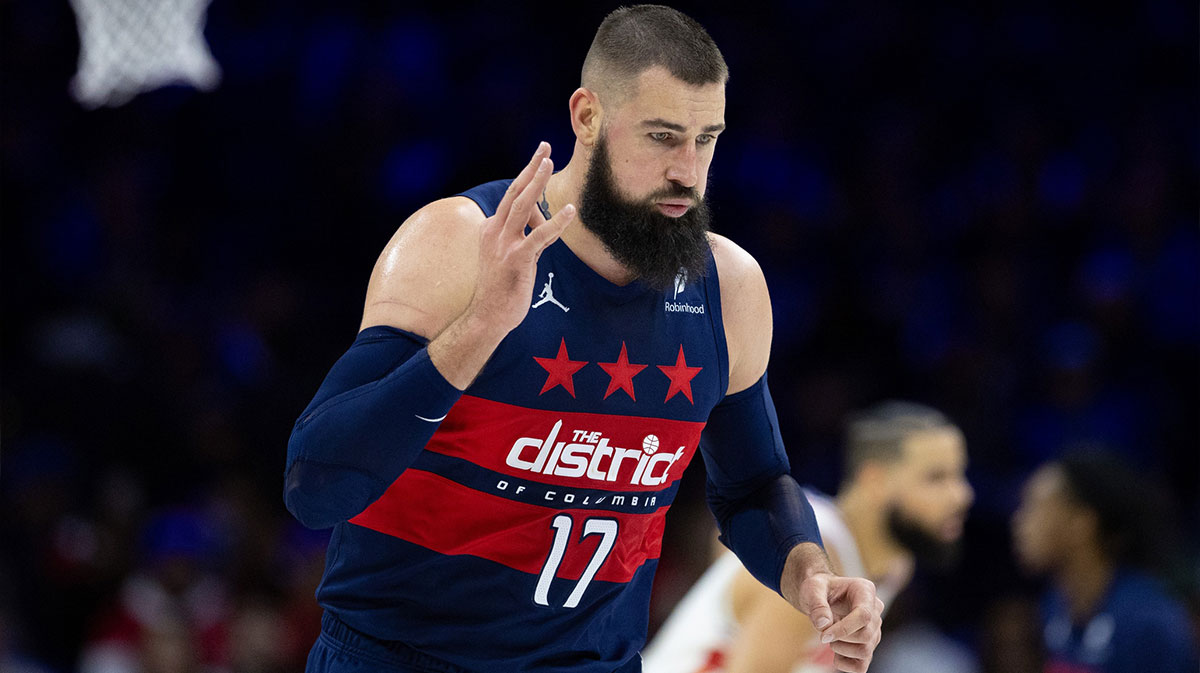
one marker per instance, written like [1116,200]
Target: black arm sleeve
[376,410]
[761,510]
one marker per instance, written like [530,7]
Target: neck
[881,555]
[1084,579]
[566,186]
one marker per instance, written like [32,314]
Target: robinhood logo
[681,280]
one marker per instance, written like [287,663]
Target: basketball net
[127,47]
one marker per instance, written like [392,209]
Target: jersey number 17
[562,523]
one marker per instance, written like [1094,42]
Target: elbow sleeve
[375,411]
[762,512]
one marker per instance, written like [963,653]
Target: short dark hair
[1131,509]
[879,432]
[632,39]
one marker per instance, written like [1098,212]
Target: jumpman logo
[547,295]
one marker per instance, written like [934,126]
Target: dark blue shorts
[341,649]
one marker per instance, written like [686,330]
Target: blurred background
[991,208]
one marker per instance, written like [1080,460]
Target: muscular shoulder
[426,273]
[746,312]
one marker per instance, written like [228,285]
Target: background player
[903,500]
[1094,527]
[547,548]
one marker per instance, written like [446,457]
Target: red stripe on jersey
[449,518]
[584,450]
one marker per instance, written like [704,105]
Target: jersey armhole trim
[712,293]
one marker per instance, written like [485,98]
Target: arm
[764,516]
[772,636]
[761,511]
[384,398]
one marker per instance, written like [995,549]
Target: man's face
[663,137]
[930,495]
[1046,523]
[643,195]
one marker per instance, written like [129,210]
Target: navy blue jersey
[526,534]
[1136,628]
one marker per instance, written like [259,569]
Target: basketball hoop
[127,47]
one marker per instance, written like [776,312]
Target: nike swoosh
[431,420]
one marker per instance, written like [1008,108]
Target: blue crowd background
[988,207]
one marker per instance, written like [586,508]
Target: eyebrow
[711,128]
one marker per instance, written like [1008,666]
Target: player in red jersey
[903,501]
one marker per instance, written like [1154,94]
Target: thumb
[814,597]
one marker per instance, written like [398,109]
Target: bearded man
[903,501]
[498,448]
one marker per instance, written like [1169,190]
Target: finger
[852,650]
[851,628]
[523,178]
[861,593]
[523,205]
[814,601]
[539,239]
[850,665]
[537,190]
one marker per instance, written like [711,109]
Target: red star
[681,377]
[622,374]
[561,369]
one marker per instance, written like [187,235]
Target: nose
[684,167]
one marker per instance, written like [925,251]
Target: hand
[507,257]
[847,614]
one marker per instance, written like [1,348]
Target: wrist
[803,561]
[463,348]
[483,321]
[479,325]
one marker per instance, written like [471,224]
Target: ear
[873,475]
[586,116]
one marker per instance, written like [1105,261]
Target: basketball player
[497,475]
[1092,525]
[904,499]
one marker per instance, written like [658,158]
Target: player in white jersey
[903,500]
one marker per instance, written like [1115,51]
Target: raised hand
[507,256]
[505,276]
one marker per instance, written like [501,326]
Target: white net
[127,47]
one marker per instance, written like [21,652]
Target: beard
[654,246]
[928,550]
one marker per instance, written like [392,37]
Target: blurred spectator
[256,639]
[1011,637]
[172,615]
[301,563]
[1093,526]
